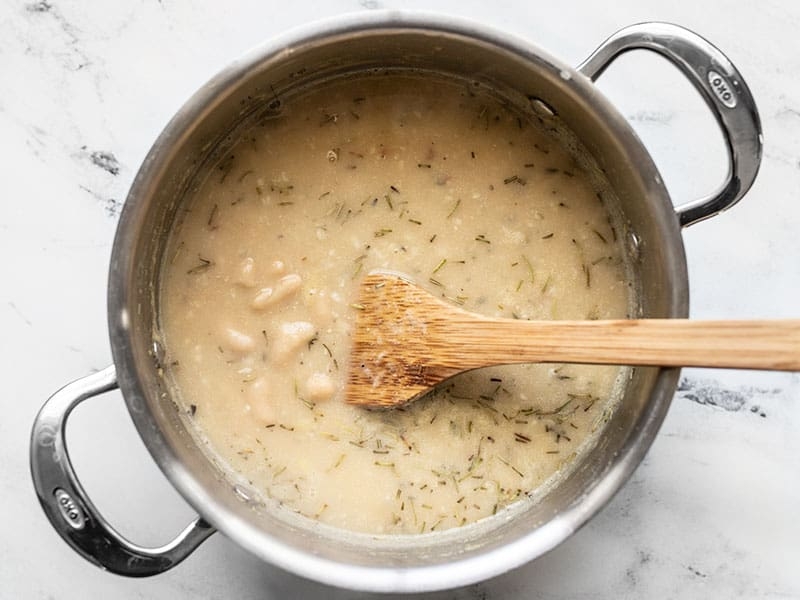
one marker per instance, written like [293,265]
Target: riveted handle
[68,507]
[723,90]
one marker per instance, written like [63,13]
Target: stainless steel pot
[249,90]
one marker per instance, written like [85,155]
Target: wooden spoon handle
[406,341]
[765,344]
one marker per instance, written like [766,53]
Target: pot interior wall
[254,90]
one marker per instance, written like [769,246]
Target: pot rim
[458,572]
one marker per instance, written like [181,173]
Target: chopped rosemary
[225,167]
[329,118]
[281,188]
[460,300]
[613,229]
[211,224]
[600,235]
[514,179]
[510,466]
[597,261]
[204,265]
[455,207]
[530,267]
[560,408]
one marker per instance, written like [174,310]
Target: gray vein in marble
[711,393]
[789,120]
[35,139]
[696,572]
[787,112]
[42,6]
[791,161]
[105,160]
[112,205]
[70,31]
[20,314]
[652,116]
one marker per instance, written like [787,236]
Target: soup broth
[439,180]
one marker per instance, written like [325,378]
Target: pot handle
[71,512]
[723,90]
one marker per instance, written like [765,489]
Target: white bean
[259,402]
[319,304]
[270,296]
[277,267]
[263,298]
[320,387]
[237,341]
[291,336]
[247,273]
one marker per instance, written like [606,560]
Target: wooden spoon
[406,341]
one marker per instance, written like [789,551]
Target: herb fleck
[212,225]
[455,207]
[204,265]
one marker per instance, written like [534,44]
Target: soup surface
[435,179]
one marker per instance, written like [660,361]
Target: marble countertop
[85,88]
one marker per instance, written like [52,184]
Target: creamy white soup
[437,180]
